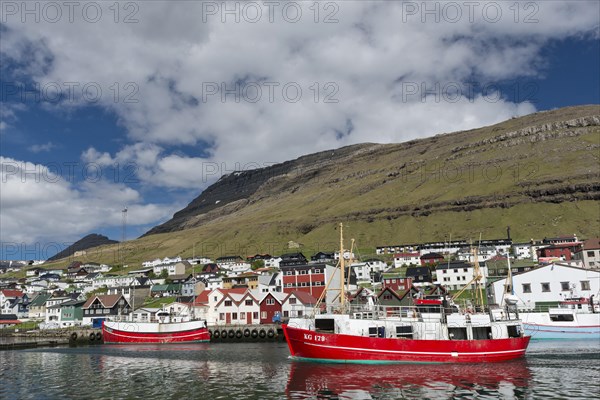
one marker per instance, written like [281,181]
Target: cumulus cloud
[40,206]
[235,90]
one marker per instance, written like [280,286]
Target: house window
[221,316]
[527,288]
[299,313]
[292,300]
[387,296]
[242,315]
[590,254]
[464,269]
[585,285]
[215,298]
[263,315]
[564,286]
[270,301]
[234,315]
[227,303]
[286,314]
[456,271]
[545,286]
[248,302]
[255,315]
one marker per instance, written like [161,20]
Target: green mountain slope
[538,174]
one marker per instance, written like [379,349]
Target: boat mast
[342,267]
[509,282]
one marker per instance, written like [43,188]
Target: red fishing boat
[163,330]
[431,331]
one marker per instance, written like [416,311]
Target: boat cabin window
[429,309]
[482,332]
[514,331]
[377,331]
[404,332]
[457,333]
[324,324]
[561,317]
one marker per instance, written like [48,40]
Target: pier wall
[245,333]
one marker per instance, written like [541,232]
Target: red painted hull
[347,348]
[114,335]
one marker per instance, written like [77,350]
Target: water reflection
[355,381]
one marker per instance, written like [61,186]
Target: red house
[310,278]
[431,259]
[270,306]
[397,283]
[564,251]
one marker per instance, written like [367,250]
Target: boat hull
[147,332]
[540,326]
[329,347]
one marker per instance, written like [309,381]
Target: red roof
[591,244]
[12,293]
[304,297]
[202,298]
[9,322]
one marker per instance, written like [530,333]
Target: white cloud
[38,148]
[362,78]
[39,206]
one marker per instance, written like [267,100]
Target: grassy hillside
[538,174]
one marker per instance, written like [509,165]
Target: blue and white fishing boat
[574,318]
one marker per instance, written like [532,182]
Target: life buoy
[246,332]
[92,337]
[231,333]
[98,336]
[238,334]
[224,334]
[74,336]
[210,333]
[271,333]
[217,334]
[262,333]
[254,333]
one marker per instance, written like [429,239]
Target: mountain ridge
[538,174]
[214,202]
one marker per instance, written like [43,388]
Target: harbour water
[551,369]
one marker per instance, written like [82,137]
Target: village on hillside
[266,289]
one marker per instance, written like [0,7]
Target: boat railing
[413,313]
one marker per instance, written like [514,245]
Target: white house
[112,281]
[95,267]
[235,269]
[456,274]
[172,269]
[589,254]
[199,260]
[365,270]
[522,251]
[297,304]
[272,262]
[233,306]
[401,259]
[270,283]
[53,313]
[484,253]
[550,283]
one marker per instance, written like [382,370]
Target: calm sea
[551,369]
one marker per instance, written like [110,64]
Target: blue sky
[169,107]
